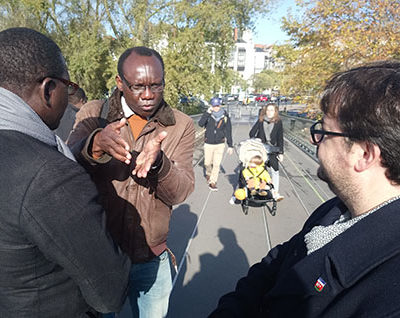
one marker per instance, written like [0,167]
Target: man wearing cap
[218,130]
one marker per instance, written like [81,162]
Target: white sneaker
[277,197]
[232,200]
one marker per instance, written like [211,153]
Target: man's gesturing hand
[148,155]
[109,141]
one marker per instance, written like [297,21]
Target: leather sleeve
[176,176]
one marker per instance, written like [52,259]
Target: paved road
[215,243]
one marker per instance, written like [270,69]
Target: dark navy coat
[359,272]
[56,259]
[217,132]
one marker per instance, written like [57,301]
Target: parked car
[230,98]
[192,105]
[251,98]
[262,98]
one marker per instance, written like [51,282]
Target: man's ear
[119,82]
[369,155]
[47,88]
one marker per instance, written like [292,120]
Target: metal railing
[297,130]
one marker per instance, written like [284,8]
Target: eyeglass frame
[322,132]
[143,88]
[68,83]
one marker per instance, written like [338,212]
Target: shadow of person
[216,277]
[183,228]
[234,178]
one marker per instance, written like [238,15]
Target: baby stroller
[248,149]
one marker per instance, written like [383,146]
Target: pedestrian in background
[269,129]
[140,155]
[56,258]
[345,261]
[75,102]
[218,130]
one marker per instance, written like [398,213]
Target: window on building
[241,59]
[266,63]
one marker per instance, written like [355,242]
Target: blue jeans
[150,287]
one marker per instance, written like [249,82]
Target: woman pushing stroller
[269,129]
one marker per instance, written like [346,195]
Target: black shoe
[213,186]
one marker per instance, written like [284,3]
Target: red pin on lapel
[319,284]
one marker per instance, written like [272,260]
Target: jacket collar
[164,114]
[347,258]
[367,244]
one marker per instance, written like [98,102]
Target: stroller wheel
[245,209]
[273,210]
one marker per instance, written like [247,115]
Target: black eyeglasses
[72,87]
[317,133]
[139,89]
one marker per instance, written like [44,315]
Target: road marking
[182,261]
[295,191]
[190,240]
[269,245]
[316,184]
[306,180]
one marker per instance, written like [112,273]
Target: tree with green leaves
[194,37]
[266,79]
[332,36]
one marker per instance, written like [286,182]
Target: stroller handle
[271,149]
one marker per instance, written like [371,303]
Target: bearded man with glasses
[139,152]
[345,260]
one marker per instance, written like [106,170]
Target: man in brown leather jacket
[139,153]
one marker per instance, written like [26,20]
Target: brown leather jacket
[138,210]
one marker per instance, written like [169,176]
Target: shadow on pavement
[217,276]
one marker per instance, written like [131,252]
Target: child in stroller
[257,178]
[255,183]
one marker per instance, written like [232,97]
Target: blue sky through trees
[267,29]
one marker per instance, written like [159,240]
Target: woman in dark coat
[269,129]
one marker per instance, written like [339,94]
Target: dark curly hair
[27,56]
[366,103]
[78,96]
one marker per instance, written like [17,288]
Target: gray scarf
[268,126]
[17,115]
[321,235]
[218,115]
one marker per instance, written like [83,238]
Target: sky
[268,27]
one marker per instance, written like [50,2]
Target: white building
[248,58]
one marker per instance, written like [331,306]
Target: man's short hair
[366,103]
[78,96]
[139,50]
[27,56]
